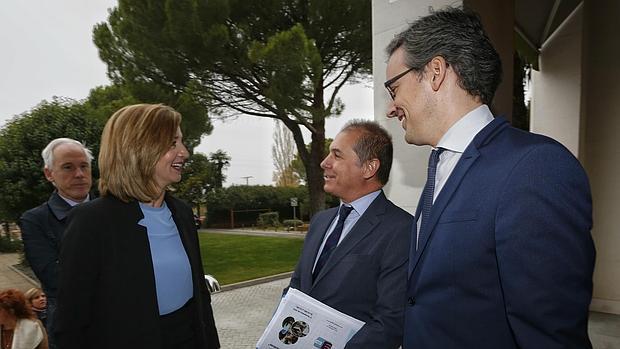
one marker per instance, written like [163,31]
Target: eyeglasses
[388,84]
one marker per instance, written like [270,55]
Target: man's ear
[370,168]
[48,174]
[437,68]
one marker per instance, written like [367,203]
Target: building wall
[409,167]
[599,149]
[575,101]
[559,79]
[495,14]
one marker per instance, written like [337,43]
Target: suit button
[410,301]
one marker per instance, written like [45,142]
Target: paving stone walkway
[11,277]
[242,314]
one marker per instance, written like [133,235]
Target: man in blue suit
[355,256]
[501,253]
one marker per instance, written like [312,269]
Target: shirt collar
[459,135]
[73,203]
[361,205]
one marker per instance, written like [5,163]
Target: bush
[8,245]
[292,224]
[268,219]
[248,201]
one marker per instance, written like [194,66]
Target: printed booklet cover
[303,322]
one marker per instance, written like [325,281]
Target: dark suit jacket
[107,297]
[366,275]
[42,229]
[506,260]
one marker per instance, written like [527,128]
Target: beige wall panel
[601,150]
[556,88]
[409,168]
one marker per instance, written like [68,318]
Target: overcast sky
[47,51]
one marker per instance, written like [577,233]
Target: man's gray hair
[48,152]
[457,35]
[374,142]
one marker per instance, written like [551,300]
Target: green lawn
[234,258]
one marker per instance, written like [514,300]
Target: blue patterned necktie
[429,190]
[332,240]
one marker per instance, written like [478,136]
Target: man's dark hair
[374,142]
[456,35]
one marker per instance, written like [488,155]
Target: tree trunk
[7,230]
[314,171]
[198,213]
[311,160]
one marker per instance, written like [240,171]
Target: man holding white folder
[355,256]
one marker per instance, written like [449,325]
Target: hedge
[249,201]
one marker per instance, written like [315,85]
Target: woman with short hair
[131,273]
[19,327]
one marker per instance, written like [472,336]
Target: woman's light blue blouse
[173,277]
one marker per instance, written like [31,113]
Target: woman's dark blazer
[107,296]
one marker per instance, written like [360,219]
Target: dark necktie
[332,240]
[429,190]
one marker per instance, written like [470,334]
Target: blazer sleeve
[385,329]
[545,252]
[295,282]
[305,257]
[41,251]
[78,291]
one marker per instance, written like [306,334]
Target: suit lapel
[59,207]
[314,238]
[414,234]
[184,230]
[364,226]
[468,158]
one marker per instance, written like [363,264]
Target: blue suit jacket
[506,260]
[366,275]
